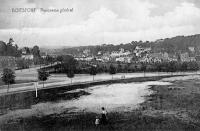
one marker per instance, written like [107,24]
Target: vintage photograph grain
[100,65]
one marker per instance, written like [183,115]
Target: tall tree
[184,66]
[36,51]
[112,70]
[119,67]
[60,59]
[20,63]
[2,48]
[49,59]
[8,77]
[70,74]
[93,71]
[144,68]
[43,75]
[27,50]
[69,65]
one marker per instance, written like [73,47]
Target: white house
[27,57]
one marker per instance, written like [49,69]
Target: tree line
[12,49]
[69,64]
[85,68]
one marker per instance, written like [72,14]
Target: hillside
[170,45]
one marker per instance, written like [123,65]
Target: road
[58,80]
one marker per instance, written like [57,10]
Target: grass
[17,82]
[169,108]
[81,121]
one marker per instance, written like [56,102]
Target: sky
[95,22]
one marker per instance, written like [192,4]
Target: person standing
[97,121]
[104,116]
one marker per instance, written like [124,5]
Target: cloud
[108,23]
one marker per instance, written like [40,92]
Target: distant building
[138,48]
[89,58]
[27,57]
[99,53]
[53,55]
[121,50]
[124,59]
[115,54]
[84,58]
[145,59]
[157,57]
[120,53]
[184,57]
[106,57]
[43,54]
[139,51]
[24,51]
[100,59]
[172,57]
[86,52]
[120,59]
[192,49]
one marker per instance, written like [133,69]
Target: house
[128,60]
[86,52]
[27,57]
[124,59]
[89,58]
[84,58]
[156,57]
[126,53]
[172,57]
[138,48]
[139,51]
[184,57]
[145,59]
[106,57]
[120,53]
[53,55]
[192,49]
[120,59]
[100,59]
[43,54]
[24,51]
[115,54]
[99,53]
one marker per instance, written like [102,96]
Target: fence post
[35,85]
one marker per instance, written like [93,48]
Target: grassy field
[173,107]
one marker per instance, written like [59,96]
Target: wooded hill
[169,45]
